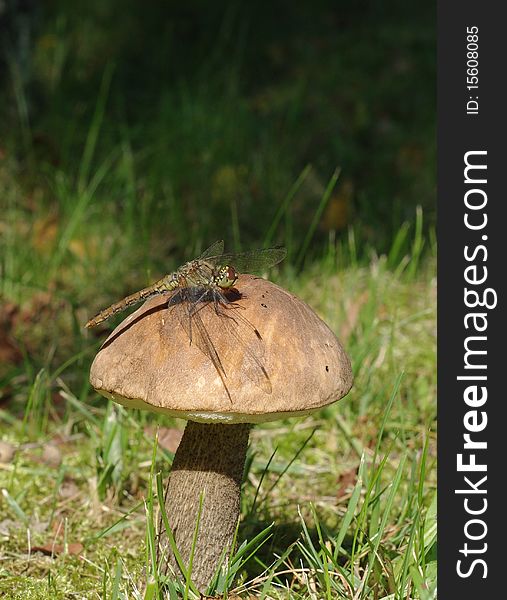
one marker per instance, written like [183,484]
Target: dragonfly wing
[224,335]
[188,314]
[215,249]
[255,260]
[244,336]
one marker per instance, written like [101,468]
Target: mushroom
[293,365]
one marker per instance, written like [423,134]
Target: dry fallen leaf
[10,353]
[353,311]
[346,481]
[6,525]
[51,549]
[338,211]
[7,452]
[168,437]
[68,489]
[51,455]
[45,233]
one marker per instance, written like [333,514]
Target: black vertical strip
[472,543]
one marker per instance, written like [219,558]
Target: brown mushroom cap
[147,362]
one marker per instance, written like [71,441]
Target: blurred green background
[201,116]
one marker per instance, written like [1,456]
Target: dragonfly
[202,283]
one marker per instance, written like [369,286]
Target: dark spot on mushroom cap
[263,305]
[327,368]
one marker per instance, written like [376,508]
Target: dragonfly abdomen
[165,284]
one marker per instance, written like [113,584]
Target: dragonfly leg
[219,303]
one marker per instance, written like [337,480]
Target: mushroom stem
[209,461]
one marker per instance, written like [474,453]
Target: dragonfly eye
[226,277]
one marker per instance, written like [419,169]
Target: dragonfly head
[226,277]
